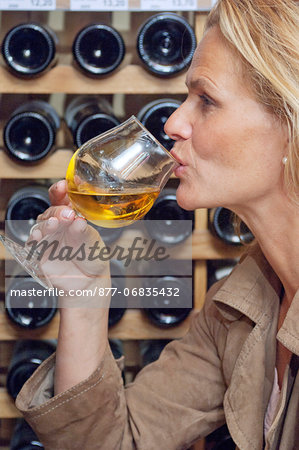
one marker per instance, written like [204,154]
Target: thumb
[58,194]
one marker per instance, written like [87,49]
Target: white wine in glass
[113,179]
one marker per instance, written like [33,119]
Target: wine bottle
[218,269]
[88,117]
[154,116]
[170,311]
[98,49]
[24,438]
[108,235]
[22,209]
[118,300]
[29,49]
[220,439]
[166,220]
[26,358]
[25,307]
[116,348]
[30,132]
[222,224]
[169,298]
[166,43]
[151,349]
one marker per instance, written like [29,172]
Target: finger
[58,194]
[60,212]
[44,228]
[84,231]
[55,218]
[77,233]
[35,235]
[80,231]
[39,230]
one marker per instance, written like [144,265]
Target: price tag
[99,5]
[31,5]
[168,5]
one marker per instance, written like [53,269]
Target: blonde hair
[266,35]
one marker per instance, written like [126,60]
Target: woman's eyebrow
[201,82]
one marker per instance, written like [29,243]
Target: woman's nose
[178,125]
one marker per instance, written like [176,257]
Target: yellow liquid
[108,209]
[112,210]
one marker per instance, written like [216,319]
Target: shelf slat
[131,79]
[133,325]
[204,246]
[52,167]
[7,406]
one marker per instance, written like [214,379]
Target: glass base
[31,266]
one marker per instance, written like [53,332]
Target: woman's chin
[184,200]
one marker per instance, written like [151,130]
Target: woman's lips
[178,170]
[173,153]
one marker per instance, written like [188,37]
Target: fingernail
[51,220]
[60,184]
[67,213]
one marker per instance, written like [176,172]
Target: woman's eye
[205,100]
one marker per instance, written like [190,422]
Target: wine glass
[113,180]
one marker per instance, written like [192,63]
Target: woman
[237,143]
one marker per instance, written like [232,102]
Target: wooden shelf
[133,325]
[54,166]
[131,79]
[204,246]
[7,406]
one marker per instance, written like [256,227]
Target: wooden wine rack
[130,79]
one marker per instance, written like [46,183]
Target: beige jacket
[223,370]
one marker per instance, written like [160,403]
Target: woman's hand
[65,242]
[58,194]
[83,325]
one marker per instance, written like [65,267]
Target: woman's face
[229,146]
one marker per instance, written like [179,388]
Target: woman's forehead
[214,45]
[215,59]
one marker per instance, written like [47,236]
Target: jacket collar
[289,331]
[251,290]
